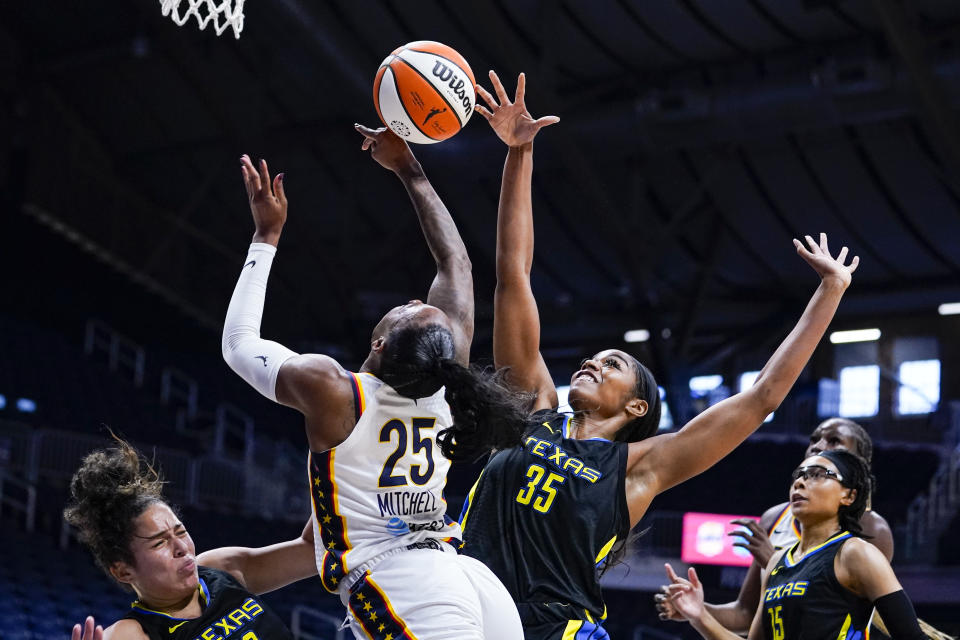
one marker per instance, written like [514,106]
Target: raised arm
[516,321]
[264,569]
[452,288]
[315,385]
[661,462]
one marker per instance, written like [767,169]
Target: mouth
[187,567]
[796,498]
[585,374]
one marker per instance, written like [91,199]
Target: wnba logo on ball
[446,74]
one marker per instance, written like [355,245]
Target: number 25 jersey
[382,487]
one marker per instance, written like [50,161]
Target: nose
[180,547]
[590,363]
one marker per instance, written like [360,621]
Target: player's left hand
[685,595]
[757,542]
[88,631]
[387,148]
[511,121]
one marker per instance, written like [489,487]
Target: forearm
[730,616]
[515,215]
[711,629]
[784,366]
[438,227]
[255,360]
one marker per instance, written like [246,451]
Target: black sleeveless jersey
[229,610]
[804,601]
[544,516]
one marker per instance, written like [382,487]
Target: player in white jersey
[778,529]
[375,467]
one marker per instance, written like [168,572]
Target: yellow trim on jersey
[360,393]
[783,514]
[605,550]
[571,630]
[466,514]
[390,609]
[791,562]
[589,617]
[844,628]
[336,510]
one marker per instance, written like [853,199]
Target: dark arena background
[697,138]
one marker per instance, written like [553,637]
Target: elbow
[764,400]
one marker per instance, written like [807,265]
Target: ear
[122,572]
[377,345]
[849,498]
[637,407]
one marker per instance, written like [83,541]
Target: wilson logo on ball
[424,92]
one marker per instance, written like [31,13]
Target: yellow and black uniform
[543,517]
[803,599]
[229,610]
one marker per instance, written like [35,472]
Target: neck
[186,606]
[585,425]
[817,532]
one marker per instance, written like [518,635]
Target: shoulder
[881,536]
[125,629]
[856,554]
[774,561]
[222,567]
[311,381]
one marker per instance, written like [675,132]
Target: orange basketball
[423,91]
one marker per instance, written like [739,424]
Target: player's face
[165,568]
[604,383]
[832,436]
[816,489]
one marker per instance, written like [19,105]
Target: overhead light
[949,308]
[636,335]
[857,335]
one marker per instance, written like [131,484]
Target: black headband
[842,464]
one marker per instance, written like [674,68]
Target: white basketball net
[223,13]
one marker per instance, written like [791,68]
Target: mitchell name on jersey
[382,487]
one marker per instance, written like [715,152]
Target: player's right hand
[88,631]
[268,202]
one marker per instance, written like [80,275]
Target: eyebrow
[179,525]
[618,357]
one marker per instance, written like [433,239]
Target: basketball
[423,91]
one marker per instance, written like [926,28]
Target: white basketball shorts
[430,594]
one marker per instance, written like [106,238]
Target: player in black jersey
[139,541]
[777,529]
[827,584]
[544,514]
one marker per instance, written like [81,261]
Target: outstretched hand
[268,202]
[88,631]
[685,594]
[824,264]
[510,120]
[387,148]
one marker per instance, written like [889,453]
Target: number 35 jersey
[382,487]
[544,515]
